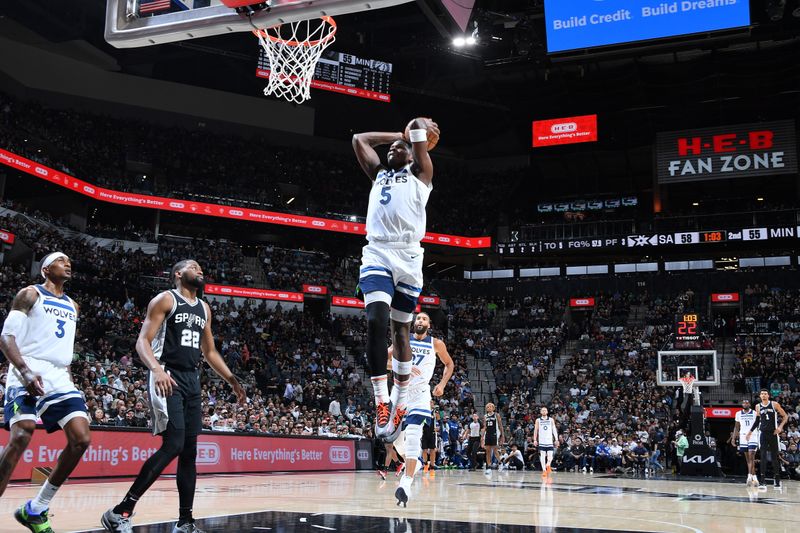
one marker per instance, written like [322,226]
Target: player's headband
[48,260]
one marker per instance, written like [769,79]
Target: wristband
[418,136]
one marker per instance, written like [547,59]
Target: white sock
[406,481]
[42,500]
[400,393]
[380,389]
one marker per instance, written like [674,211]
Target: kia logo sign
[563,128]
[42,171]
[362,455]
[177,205]
[318,223]
[208,453]
[339,454]
[236,213]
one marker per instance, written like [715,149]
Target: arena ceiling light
[290,200]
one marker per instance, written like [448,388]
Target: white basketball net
[293,50]
[688,384]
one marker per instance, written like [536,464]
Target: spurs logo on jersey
[396,211]
[177,343]
[491,425]
[545,431]
[767,414]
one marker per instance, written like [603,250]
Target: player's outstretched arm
[14,323]
[157,311]
[449,366]
[364,146]
[216,361]
[422,159]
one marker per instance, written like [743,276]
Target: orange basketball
[433,138]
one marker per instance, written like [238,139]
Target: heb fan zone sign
[570,130]
[725,297]
[581,302]
[122,453]
[7,237]
[739,151]
[345,301]
[429,300]
[214,210]
[258,294]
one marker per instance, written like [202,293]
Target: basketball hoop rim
[264,34]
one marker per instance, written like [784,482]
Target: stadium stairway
[726,351]
[481,381]
[637,316]
[549,387]
[252,265]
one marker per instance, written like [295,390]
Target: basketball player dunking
[545,435]
[175,336]
[492,435]
[767,413]
[744,422]
[425,349]
[38,340]
[391,263]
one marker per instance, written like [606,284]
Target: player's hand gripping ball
[424,123]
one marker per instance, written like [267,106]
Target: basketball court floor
[452,501]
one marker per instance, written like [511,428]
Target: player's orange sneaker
[383,413]
[395,425]
[426,468]
[432,472]
[549,470]
[544,474]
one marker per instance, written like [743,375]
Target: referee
[175,336]
[474,431]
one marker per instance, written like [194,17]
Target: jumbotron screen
[573,24]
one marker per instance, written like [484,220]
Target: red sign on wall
[429,300]
[57,177]
[248,292]
[7,237]
[122,453]
[346,301]
[570,130]
[725,297]
[722,412]
[581,302]
[315,289]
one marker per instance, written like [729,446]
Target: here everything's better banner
[66,181]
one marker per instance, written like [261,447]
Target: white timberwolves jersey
[396,212]
[746,421]
[49,333]
[423,360]
[546,430]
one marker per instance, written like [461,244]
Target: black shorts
[490,440]
[184,408]
[428,437]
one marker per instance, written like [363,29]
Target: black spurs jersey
[491,425]
[177,343]
[767,415]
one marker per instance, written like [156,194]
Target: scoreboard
[687,327]
[344,73]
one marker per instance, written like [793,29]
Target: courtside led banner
[722,412]
[57,177]
[725,297]
[122,453]
[722,152]
[568,130]
[574,24]
[7,237]
[581,302]
[429,300]
[258,294]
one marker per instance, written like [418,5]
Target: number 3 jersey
[396,211]
[177,343]
[47,341]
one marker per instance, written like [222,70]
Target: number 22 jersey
[177,342]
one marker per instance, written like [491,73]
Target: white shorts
[392,276]
[419,401]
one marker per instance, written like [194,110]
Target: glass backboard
[134,23]
[701,364]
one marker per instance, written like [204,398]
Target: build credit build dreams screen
[575,24]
